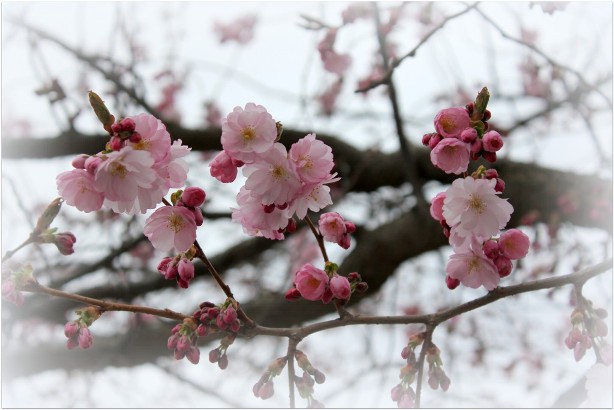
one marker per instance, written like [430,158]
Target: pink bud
[426,138]
[491,173]
[293,294]
[327,296]
[486,115]
[452,283]
[198,216]
[444,382]
[202,330]
[171,271]
[71,329]
[491,248]
[64,242]
[235,326]
[266,391]
[396,392]
[230,315]
[185,269]
[433,382]
[489,156]
[220,323]
[163,265]
[135,138]
[361,287]
[500,185]
[223,362]
[319,376]
[256,388]
[214,355]
[179,354]
[91,164]
[468,135]
[340,287]
[476,146]
[350,227]
[183,344]
[514,244]
[85,338]
[193,196]
[171,343]
[492,141]
[504,265]
[193,354]
[354,277]
[127,124]
[79,161]
[435,139]
[116,143]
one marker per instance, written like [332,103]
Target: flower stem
[318,236]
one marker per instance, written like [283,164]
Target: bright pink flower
[340,286]
[514,244]
[171,227]
[248,131]
[154,137]
[222,168]
[473,269]
[450,122]
[473,208]
[76,187]
[492,141]
[123,172]
[311,282]
[193,196]
[437,206]
[451,155]
[273,179]
[312,159]
[333,229]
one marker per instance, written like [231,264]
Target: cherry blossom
[451,156]
[171,227]
[248,131]
[222,168]
[311,282]
[473,268]
[122,173]
[313,160]
[340,286]
[450,122]
[514,244]
[77,188]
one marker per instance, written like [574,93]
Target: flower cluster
[310,376]
[174,227]
[184,341]
[403,393]
[312,283]
[218,355]
[180,268]
[335,229]
[133,173]
[436,376]
[264,388]
[589,330]
[470,210]
[279,183]
[78,332]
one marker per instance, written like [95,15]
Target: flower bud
[452,283]
[291,227]
[85,338]
[491,249]
[223,362]
[193,354]
[71,329]
[185,269]
[172,341]
[193,196]
[500,185]
[489,156]
[49,214]
[230,315]
[163,265]
[319,376]
[468,135]
[64,242]
[340,287]
[214,355]
[266,391]
[362,287]
[293,294]
[79,161]
[504,265]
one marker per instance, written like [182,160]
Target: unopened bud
[101,111]
[49,214]
[223,362]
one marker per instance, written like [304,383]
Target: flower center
[143,144]
[175,223]
[118,170]
[474,263]
[248,134]
[477,204]
[278,172]
[307,162]
[313,282]
[448,124]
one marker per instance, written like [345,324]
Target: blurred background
[548,66]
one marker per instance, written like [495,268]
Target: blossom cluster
[403,393]
[471,211]
[306,382]
[279,183]
[314,284]
[133,173]
[264,387]
[335,229]
[589,330]
[184,341]
[78,332]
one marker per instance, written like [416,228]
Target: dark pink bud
[291,227]
[214,356]
[362,287]
[71,329]
[202,330]
[193,196]
[185,269]
[350,227]
[434,141]
[116,144]
[172,342]
[127,124]
[116,128]
[198,216]
[223,362]
[235,326]
[491,248]
[476,146]
[206,305]
[486,115]
[425,139]
[500,185]
[491,173]
[354,277]
[230,315]
[193,354]
[220,323]
[163,265]
[79,161]
[489,156]
[135,138]
[268,208]
[452,283]
[468,135]
[327,296]
[64,242]
[293,294]
[469,107]
[504,265]
[179,354]
[171,271]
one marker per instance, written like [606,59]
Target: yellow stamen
[477,204]
[248,134]
[278,172]
[175,223]
[118,170]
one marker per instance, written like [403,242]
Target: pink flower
[514,244]
[248,131]
[257,222]
[473,269]
[437,206]
[76,187]
[473,207]
[313,197]
[340,286]
[154,137]
[123,172]
[451,155]
[492,141]
[222,168]
[313,160]
[171,227]
[193,196]
[311,282]
[450,122]
[334,229]
[272,179]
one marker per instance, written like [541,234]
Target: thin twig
[292,342]
[318,236]
[425,346]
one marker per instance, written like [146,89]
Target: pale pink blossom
[77,189]
[257,222]
[473,269]
[514,244]
[313,159]
[340,286]
[154,137]
[334,229]
[222,168]
[437,206]
[451,155]
[123,172]
[273,179]
[311,282]
[313,196]
[248,131]
[473,208]
[171,227]
[450,122]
